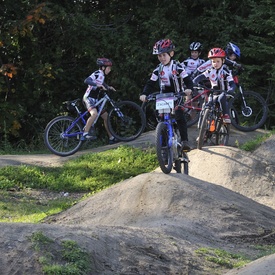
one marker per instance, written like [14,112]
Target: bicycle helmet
[104,62]
[195,46]
[232,48]
[163,46]
[216,52]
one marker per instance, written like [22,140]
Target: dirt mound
[153,223]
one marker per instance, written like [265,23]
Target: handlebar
[153,96]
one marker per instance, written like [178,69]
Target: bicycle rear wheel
[57,142]
[250,117]
[151,114]
[181,164]
[126,121]
[164,152]
[221,134]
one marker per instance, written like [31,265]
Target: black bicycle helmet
[104,62]
[163,46]
[195,46]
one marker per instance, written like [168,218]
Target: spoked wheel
[164,152]
[250,115]
[203,129]
[221,134]
[192,115]
[151,114]
[61,137]
[126,121]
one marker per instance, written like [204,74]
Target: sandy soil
[154,223]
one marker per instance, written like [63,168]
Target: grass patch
[87,174]
[222,257]
[65,258]
[256,142]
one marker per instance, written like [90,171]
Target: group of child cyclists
[172,76]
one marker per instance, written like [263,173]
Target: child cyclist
[193,62]
[220,78]
[95,84]
[167,77]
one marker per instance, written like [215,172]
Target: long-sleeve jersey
[208,64]
[170,76]
[221,78]
[190,64]
[96,78]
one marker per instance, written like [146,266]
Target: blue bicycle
[62,135]
[168,142]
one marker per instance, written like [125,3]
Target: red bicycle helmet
[216,52]
[104,62]
[163,46]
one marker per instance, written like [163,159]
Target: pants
[181,122]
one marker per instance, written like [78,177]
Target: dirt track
[154,223]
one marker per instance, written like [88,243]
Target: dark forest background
[47,49]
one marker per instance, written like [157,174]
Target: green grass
[64,258]
[222,257]
[87,175]
[256,142]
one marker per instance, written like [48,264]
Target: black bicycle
[248,109]
[62,135]
[168,142]
[212,129]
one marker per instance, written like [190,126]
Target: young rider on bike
[233,52]
[220,78]
[167,77]
[95,84]
[192,62]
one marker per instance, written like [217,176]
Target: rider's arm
[91,82]
[199,78]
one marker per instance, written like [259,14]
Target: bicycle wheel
[203,128]
[126,121]
[164,152]
[221,134]
[181,165]
[151,114]
[57,142]
[192,115]
[250,117]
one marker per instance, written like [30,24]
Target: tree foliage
[48,48]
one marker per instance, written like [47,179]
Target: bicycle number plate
[165,103]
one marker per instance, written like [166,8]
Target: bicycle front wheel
[181,164]
[126,121]
[164,152]
[249,115]
[203,128]
[57,141]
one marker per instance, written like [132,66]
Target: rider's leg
[104,115]
[182,126]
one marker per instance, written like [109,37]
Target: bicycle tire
[251,118]
[203,129]
[54,140]
[182,166]
[164,152]
[151,114]
[221,133]
[192,115]
[126,121]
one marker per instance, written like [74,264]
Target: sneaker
[185,146]
[88,136]
[226,119]
[113,141]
